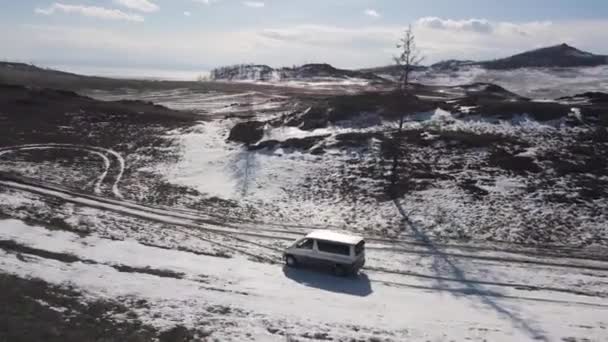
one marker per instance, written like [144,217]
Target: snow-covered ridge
[310,72]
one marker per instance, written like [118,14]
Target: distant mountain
[562,55]
[390,70]
[12,67]
[451,64]
[33,76]
[326,70]
[256,72]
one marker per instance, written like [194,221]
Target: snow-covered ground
[263,299]
[295,187]
[291,185]
[317,84]
[539,83]
[198,266]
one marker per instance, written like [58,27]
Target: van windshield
[360,247]
[304,244]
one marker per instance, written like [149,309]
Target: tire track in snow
[297,232]
[105,159]
[98,151]
[224,228]
[552,251]
[193,228]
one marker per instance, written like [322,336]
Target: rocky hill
[34,76]
[390,70]
[451,64]
[256,72]
[562,55]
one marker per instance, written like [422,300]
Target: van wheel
[340,270]
[291,261]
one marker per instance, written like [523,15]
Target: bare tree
[409,57]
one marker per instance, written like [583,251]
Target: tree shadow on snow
[243,167]
[357,285]
[442,266]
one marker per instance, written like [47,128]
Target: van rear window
[360,247]
[334,248]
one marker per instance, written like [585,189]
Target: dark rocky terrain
[480,132]
[391,69]
[30,313]
[35,114]
[484,100]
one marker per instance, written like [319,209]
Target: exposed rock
[176,334]
[294,143]
[592,97]
[600,134]
[519,164]
[309,119]
[317,150]
[266,144]
[345,109]
[248,132]
[489,91]
[356,139]
[542,111]
[470,185]
[303,143]
[470,139]
[451,65]
[493,100]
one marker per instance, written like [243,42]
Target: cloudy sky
[200,34]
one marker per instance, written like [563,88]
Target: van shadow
[356,285]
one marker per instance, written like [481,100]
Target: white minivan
[343,253]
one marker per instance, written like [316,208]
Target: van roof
[329,235]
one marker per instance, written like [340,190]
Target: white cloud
[134,47]
[253,4]
[374,44]
[372,13]
[89,11]
[139,5]
[286,45]
[187,14]
[206,2]
[320,35]
[474,25]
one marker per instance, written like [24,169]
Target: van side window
[359,247]
[306,244]
[334,248]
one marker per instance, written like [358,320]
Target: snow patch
[257,294]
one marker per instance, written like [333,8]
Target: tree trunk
[396,152]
